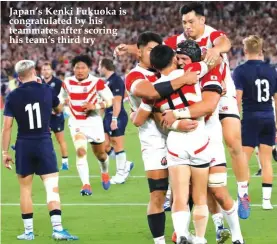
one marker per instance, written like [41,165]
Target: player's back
[31,106]
[258,81]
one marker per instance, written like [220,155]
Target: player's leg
[103,160]
[267,140]
[230,120]
[107,129]
[199,178]
[24,149]
[57,126]
[63,146]
[47,169]
[267,174]
[158,183]
[26,206]
[80,143]
[123,166]
[157,174]
[259,172]
[219,191]
[179,175]
[54,206]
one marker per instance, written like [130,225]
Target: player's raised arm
[221,44]
[123,49]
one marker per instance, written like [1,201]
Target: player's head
[188,52]
[253,46]
[46,70]
[81,66]
[162,57]
[146,42]
[26,70]
[106,66]
[193,19]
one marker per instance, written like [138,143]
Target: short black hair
[148,36]
[161,57]
[82,58]
[108,64]
[197,7]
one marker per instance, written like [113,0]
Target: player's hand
[187,125]
[88,107]
[7,160]
[212,56]
[120,50]
[114,124]
[66,101]
[191,77]
[168,119]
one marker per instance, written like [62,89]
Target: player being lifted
[115,121]
[215,44]
[85,123]
[188,52]
[138,84]
[57,120]
[256,84]
[31,106]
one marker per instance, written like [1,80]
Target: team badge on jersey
[53,84]
[85,89]
[164,161]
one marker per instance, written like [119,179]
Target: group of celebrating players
[184,101]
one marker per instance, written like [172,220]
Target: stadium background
[119,215]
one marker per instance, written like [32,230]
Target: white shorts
[214,130]
[228,106]
[154,159]
[188,149]
[92,129]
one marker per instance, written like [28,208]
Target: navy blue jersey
[55,83]
[31,105]
[117,87]
[258,81]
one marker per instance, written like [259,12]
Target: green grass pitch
[119,215]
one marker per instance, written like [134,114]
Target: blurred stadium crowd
[236,19]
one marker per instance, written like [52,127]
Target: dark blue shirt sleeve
[8,107]
[118,87]
[55,99]
[275,77]
[59,86]
[238,79]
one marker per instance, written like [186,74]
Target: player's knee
[158,188]
[52,189]
[217,180]
[81,147]
[101,156]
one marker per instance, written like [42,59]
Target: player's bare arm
[239,94]
[116,110]
[222,44]
[146,90]
[6,138]
[205,107]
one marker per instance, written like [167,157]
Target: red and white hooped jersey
[80,92]
[150,136]
[205,42]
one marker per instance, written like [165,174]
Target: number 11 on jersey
[29,108]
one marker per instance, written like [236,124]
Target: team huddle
[184,102]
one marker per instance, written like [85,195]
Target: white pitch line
[139,176]
[103,204]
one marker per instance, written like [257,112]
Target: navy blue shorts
[35,157]
[122,121]
[257,131]
[57,123]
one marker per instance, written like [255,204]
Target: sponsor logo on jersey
[225,108]
[85,89]
[164,161]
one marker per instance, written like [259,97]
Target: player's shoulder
[174,40]
[134,74]
[57,80]
[209,29]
